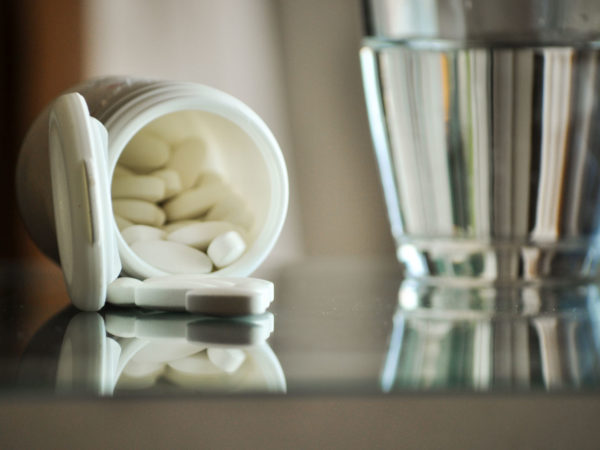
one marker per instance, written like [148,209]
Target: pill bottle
[68,158]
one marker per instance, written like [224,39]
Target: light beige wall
[342,203]
[296,64]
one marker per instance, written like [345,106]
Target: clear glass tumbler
[485,127]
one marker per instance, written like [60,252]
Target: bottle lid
[78,147]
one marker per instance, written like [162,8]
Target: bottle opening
[191,193]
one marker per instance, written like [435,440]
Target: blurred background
[294,62]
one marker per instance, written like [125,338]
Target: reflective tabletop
[338,330]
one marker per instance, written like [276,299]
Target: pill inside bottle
[187,182]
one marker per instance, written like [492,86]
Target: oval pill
[121,222]
[145,152]
[122,291]
[227,359]
[121,171]
[142,233]
[139,211]
[141,187]
[226,248]
[173,257]
[200,234]
[193,202]
[171,179]
[197,364]
[188,159]
[164,351]
[232,208]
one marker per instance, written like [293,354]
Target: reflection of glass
[166,352]
[496,338]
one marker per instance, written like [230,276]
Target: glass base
[468,262]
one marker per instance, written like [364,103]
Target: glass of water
[485,128]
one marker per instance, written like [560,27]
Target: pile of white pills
[173,207]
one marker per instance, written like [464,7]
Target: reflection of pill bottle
[78,224]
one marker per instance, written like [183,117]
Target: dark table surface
[349,355]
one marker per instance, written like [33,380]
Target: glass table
[349,355]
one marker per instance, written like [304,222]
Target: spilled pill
[172,257]
[226,248]
[139,211]
[122,291]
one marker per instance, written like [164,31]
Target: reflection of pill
[226,248]
[172,181]
[139,211]
[142,233]
[141,187]
[188,159]
[193,202]
[145,152]
[172,257]
[164,351]
[122,291]
[197,364]
[227,359]
[122,223]
[200,234]
[143,369]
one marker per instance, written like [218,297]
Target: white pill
[232,208]
[248,296]
[122,291]
[137,382]
[197,364]
[218,296]
[137,233]
[137,369]
[171,179]
[227,359]
[174,226]
[200,234]
[172,257]
[226,248]
[122,223]
[139,211]
[164,351]
[209,177]
[141,187]
[193,202]
[121,171]
[145,152]
[189,159]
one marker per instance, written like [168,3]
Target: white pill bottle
[69,154]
